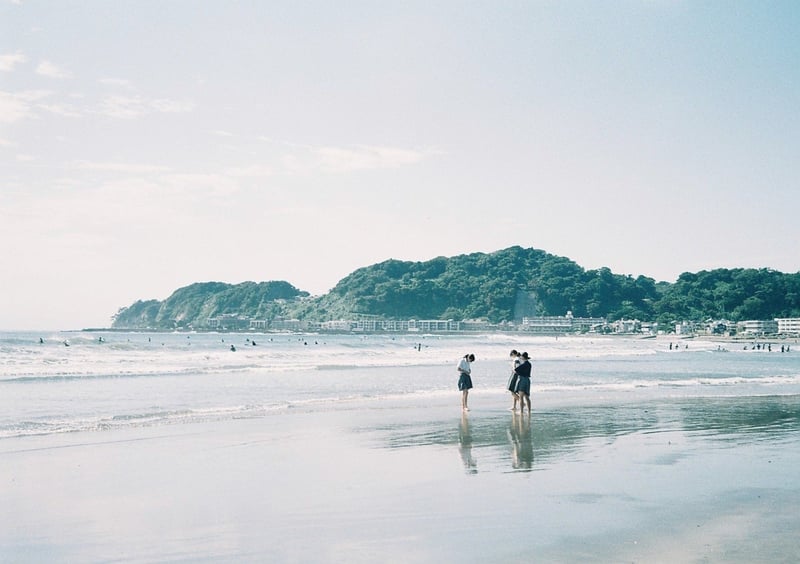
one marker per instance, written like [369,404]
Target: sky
[147,145]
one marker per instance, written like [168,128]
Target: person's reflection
[465,445]
[521,442]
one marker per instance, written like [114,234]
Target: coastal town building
[549,325]
[788,326]
[757,327]
[562,324]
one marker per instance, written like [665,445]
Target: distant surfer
[465,378]
[41,341]
[233,348]
[66,343]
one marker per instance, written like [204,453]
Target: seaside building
[757,327]
[788,325]
[228,322]
[626,326]
[562,324]
[432,325]
[288,325]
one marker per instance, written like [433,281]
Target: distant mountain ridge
[503,286]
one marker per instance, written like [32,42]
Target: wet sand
[415,480]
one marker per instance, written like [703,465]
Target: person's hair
[470,357]
[513,352]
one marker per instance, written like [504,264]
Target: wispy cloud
[130,168]
[172,106]
[116,82]
[19,105]
[132,107]
[253,171]
[50,70]
[9,61]
[338,159]
[304,158]
[61,110]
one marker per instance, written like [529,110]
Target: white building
[788,325]
[757,327]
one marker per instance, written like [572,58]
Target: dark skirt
[524,385]
[464,382]
[512,382]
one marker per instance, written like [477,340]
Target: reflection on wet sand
[732,418]
[519,433]
[465,445]
[520,443]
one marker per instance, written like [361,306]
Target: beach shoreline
[414,479]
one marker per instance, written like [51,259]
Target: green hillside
[502,286]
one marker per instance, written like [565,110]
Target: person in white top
[512,380]
[465,378]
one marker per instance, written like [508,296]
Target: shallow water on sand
[114,380]
[354,449]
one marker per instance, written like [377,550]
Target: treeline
[193,305]
[506,285]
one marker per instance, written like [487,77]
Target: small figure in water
[41,341]
[233,348]
[66,343]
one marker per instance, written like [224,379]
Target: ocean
[171,447]
[107,380]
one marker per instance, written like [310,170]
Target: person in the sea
[512,380]
[465,378]
[523,372]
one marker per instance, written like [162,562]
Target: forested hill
[193,305]
[501,286]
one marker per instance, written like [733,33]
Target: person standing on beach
[523,372]
[465,378]
[512,380]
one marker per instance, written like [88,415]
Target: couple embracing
[519,384]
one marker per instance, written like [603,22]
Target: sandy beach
[415,480]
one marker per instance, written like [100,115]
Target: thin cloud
[61,110]
[50,70]
[123,107]
[19,105]
[253,171]
[171,106]
[9,61]
[119,167]
[337,159]
[303,158]
[132,107]
[116,82]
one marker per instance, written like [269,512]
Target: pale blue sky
[146,145]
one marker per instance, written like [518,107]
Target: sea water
[91,381]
